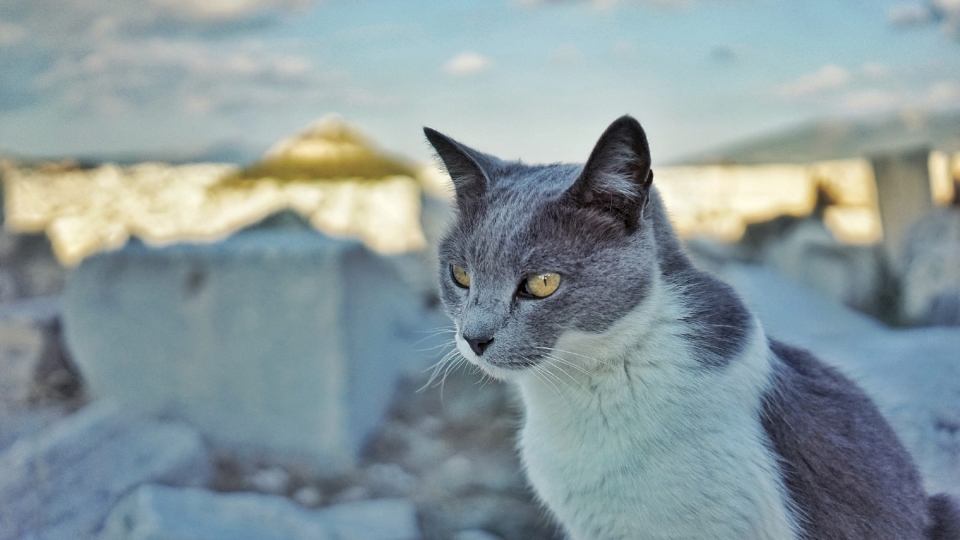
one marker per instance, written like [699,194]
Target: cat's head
[540,250]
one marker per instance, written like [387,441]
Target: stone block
[63,481]
[280,342]
[930,270]
[164,513]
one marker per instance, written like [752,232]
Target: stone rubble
[159,512]
[61,482]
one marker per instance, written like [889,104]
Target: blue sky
[518,78]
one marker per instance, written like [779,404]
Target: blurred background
[218,308]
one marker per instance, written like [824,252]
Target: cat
[654,404]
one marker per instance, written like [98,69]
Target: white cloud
[908,15]
[944,94]
[944,12]
[567,54]
[12,34]
[198,76]
[829,77]
[467,63]
[871,100]
[225,9]
[876,70]
[606,4]
[117,56]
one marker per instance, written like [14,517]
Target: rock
[308,496]
[273,480]
[849,274]
[390,480]
[280,343]
[475,534]
[930,270]
[34,364]
[15,424]
[912,374]
[62,482]
[159,512]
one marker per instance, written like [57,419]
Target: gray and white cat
[655,404]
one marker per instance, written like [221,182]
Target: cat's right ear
[466,166]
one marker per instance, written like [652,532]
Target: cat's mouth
[490,362]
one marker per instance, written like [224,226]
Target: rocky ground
[441,466]
[449,448]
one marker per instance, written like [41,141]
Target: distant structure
[904,195]
[329,173]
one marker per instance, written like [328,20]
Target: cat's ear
[617,177]
[466,166]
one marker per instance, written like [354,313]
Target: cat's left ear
[617,177]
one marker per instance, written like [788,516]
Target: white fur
[641,441]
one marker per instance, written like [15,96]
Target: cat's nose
[479,344]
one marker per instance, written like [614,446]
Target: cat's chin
[503,371]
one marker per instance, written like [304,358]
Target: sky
[537,80]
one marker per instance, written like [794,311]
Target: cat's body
[655,406]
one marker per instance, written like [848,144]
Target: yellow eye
[542,285]
[460,275]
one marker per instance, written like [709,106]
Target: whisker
[571,377]
[537,371]
[557,378]
[567,362]
[554,349]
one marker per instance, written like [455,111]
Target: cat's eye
[460,276]
[541,285]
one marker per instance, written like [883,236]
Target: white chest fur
[640,442]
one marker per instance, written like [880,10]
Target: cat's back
[846,471]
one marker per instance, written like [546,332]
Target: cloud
[945,13]
[909,15]
[467,63]
[567,54]
[829,77]
[198,76]
[725,54]
[606,4]
[12,34]
[115,56]
[225,10]
[942,94]
[869,100]
[876,70]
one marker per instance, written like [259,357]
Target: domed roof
[327,150]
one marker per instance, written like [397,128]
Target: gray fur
[845,469]
[603,228]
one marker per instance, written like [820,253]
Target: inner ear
[617,177]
